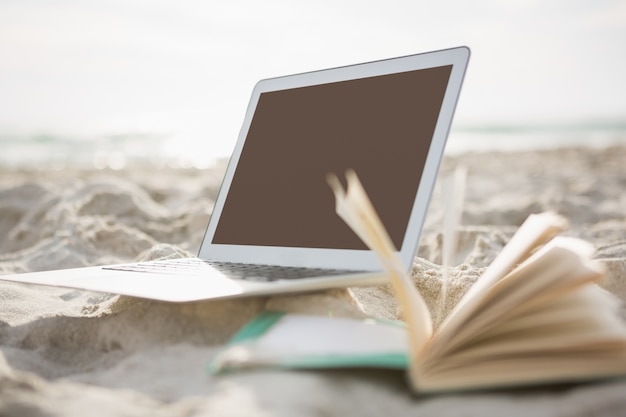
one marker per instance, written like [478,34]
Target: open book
[535,316]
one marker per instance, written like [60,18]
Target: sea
[154,151]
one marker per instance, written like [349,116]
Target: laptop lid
[388,120]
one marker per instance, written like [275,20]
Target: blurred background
[123,83]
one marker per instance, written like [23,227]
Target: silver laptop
[274,228]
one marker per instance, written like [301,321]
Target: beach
[66,352]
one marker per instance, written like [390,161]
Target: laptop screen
[379,126]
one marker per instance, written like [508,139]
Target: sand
[69,353]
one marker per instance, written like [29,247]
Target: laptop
[274,228]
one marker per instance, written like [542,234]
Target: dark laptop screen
[379,126]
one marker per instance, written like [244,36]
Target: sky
[186,68]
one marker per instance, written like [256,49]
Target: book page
[453,191]
[318,335]
[556,269]
[535,231]
[499,373]
[581,320]
[355,208]
[577,336]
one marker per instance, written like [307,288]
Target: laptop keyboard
[253,272]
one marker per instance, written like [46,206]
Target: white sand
[67,353]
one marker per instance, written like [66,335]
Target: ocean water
[160,151]
[507,138]
[99,152]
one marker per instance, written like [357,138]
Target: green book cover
[283,340]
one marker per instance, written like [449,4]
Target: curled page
[537,230]
[355,208]
[453,190]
